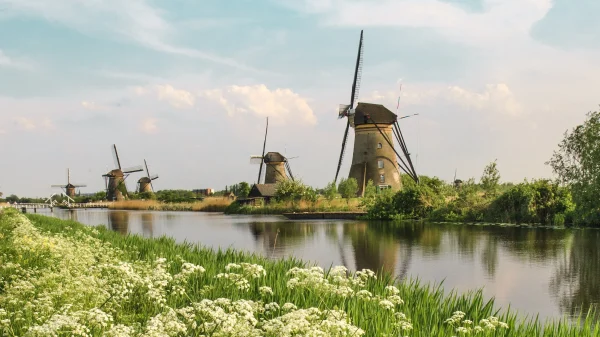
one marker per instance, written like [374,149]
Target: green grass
[47,263]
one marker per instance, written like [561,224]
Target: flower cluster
[465,327]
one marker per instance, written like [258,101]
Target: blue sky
[187,85]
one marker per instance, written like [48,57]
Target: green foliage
[330,191]
[143,196]
[290,190]
[541,201]
[242,190]
[370,190]
[175,196]
[383,207]
[577,164]
[348,188]
[490,179]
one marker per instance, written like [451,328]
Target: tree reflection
[575,283]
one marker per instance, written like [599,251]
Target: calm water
[552,272]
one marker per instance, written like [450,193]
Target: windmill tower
[375,127]
[116,190]
[145,183]
[69,188]
[276,164]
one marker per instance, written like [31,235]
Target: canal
[553,272]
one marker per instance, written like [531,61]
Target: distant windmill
[375,128]
[115,179]
[145,183]
[277,164]
[69,188]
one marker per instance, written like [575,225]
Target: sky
[188,84]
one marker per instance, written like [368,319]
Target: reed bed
[321,205]
[215,204]
[60,278]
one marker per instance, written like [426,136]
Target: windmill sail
[263,152]
[116,157]
[354,95]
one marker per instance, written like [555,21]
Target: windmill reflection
[119,221]
[148,224]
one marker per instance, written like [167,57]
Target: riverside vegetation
[60,278]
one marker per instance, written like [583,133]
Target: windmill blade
[255,160]
[61,186]
[147,171]
[154,177]
[116,156]
[263,151]
[357,72]
[342,151]
[74,185]
[134,169]
[287,166]
[343,110]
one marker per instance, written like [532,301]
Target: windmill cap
[377,113]
[144,180]
[274,157]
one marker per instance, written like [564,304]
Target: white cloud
[177,98]
[9,62]
[283,105]
[496,99]
[134,20]
[25,123]
[501,19]
[90,105]
[149,126]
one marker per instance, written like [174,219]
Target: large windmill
[145,183]
[115,179]
[375,127]
[69,188]
[277,164]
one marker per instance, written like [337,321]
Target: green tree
[12,198]
[370,190]
[243,189]
[490,179]
[330,191]
[348,188]
[577,164]
[290,190]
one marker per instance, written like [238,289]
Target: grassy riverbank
[280,207]
[206,205]
[62,278]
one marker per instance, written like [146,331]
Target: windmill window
[379,146]
[381,178]
[380,163]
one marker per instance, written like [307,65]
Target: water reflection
[575,281]
[535,270]
[277,237]
[119,221]
[148,224]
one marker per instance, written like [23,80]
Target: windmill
[69,188]
[145,183]
[277,164]
[374,156]
[115,179]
